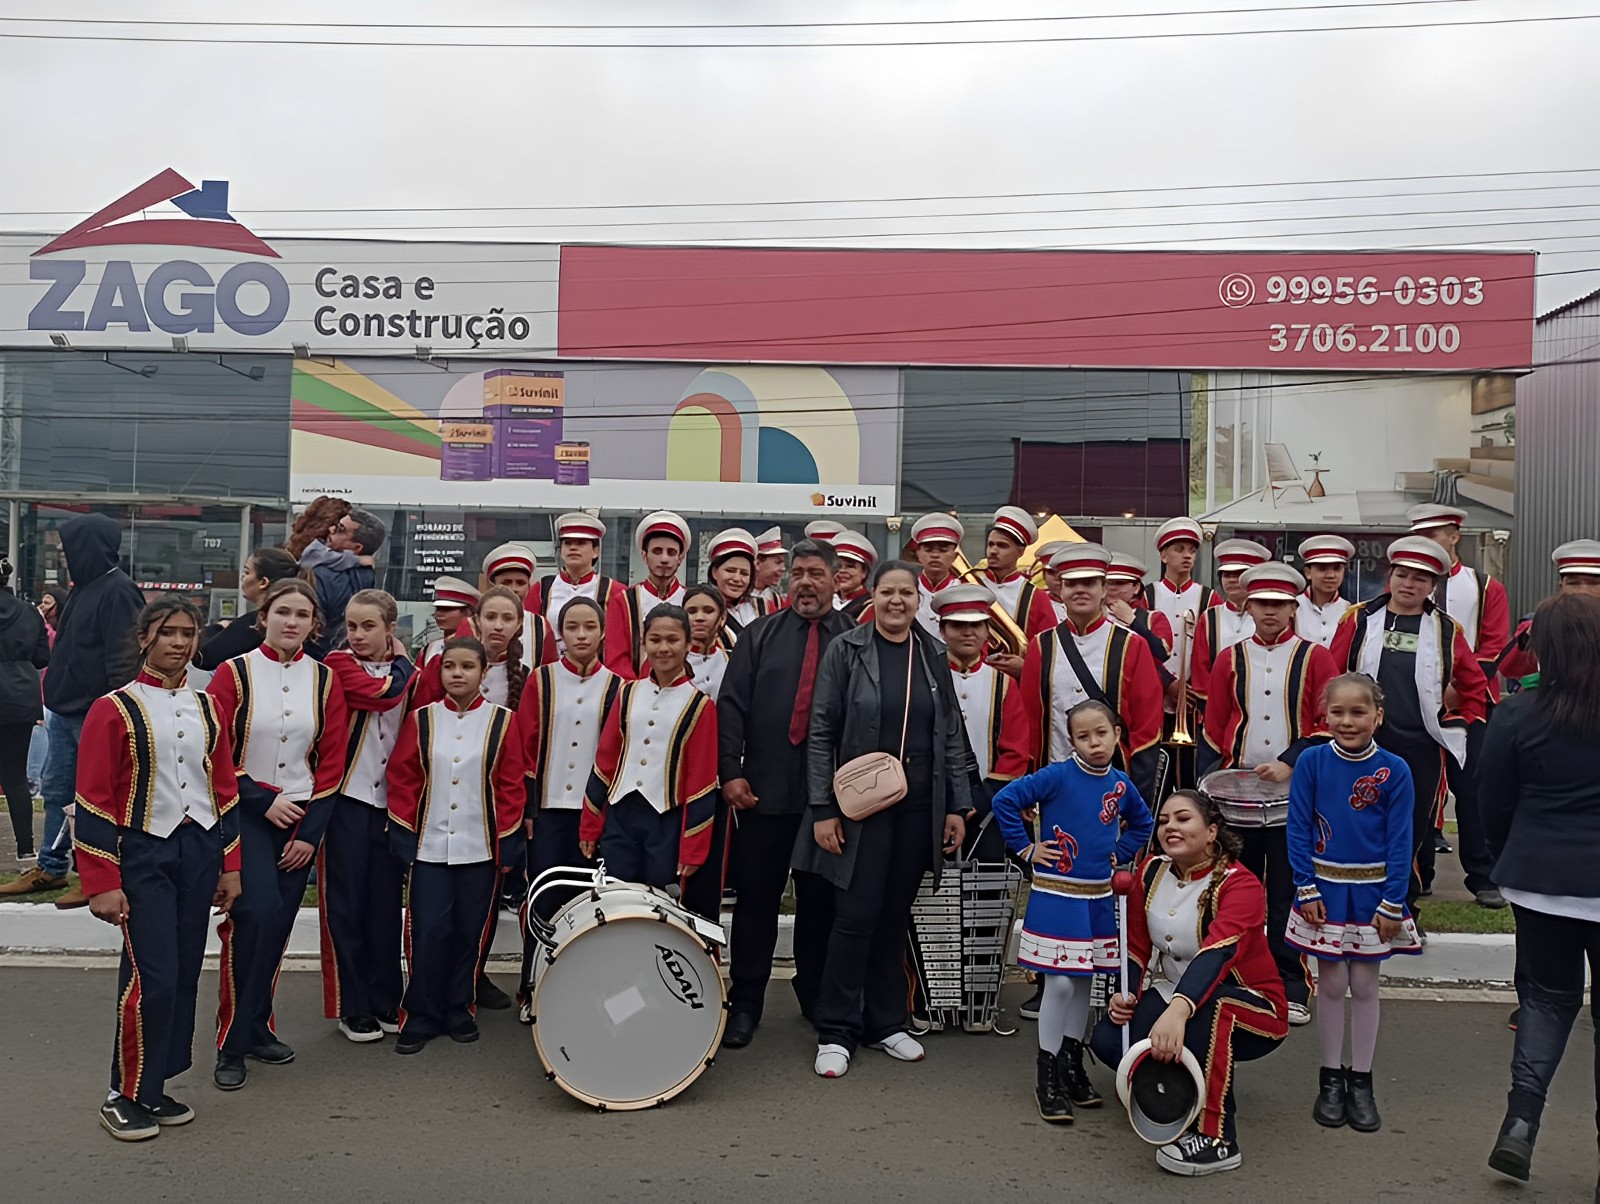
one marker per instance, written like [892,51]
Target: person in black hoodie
[24,650]
[94,654]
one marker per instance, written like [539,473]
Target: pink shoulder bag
[876,781]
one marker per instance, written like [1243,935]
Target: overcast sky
[329,137]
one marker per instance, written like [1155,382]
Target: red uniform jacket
[1311,668]
[1516,658]
[622,651]
[535,718]
[115,775]
[1494,627]
[366,695]
[1132,688]
[1036,615]
[1461,669]
[1202,658]
[691,774]
[604,591]
[411,769]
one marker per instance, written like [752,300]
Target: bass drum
[630,1006]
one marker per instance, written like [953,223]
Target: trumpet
[1181,735]
[1005,636]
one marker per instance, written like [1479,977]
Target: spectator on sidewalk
[94,654]
[314,522]
[341,567]
[24,650]
[221,642]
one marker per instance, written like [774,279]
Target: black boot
[1074,1079]
[1513,1149]
[1053,1103]
[1329,1108]
[1360,1108]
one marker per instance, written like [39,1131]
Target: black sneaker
[491,996]
[171,1113]
[272,1053]
[1030,1009]
[360,1029]
[1197,1154]
[230,1073]
[465,1034]
[1440,844]
[388,1022]
[410,1043]
[128,1120]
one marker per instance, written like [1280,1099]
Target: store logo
[680,978]
[846,501]
[178,296]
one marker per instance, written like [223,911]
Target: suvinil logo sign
[177,295]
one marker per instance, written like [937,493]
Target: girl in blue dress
[1349,836]
[1091,817]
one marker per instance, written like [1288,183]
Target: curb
[39,929]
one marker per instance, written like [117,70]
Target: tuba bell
[1005,636]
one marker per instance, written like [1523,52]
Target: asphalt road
[479,1122]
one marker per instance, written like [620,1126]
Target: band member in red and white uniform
[772,558]
[157,838]
[359,880]
[513,566]
[454,601]
[650,815]
[857,557]
[1470,596]
[981,690]
[457,798]
[823,530]
[1177,593]
[1116,669]
[1126,604]
[285,715]
[1578,565]
[1009,536]
[1264,708]
[663,538]
[1433,686]
[1221,627]
[732,557]
[1042,556]
[578,537]
[938,540]
[1326,560]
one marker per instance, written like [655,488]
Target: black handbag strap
[1080,667]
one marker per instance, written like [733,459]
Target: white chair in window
[1282,475]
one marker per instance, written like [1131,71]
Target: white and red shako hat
[937,528]
[1419,552]
[663,522]
[1326,549]
[1125,568]
[1046,552]
[579,525]
[1178,528]
[735,541]
[963,603]
[510,556]
[452,591]
[823,530]
[1236,555]
[1080,561]
[852,545]
[1430,515]
[1273,581]
[1016,523]
[770,543]
[1580,557]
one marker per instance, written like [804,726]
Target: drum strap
[1081,668]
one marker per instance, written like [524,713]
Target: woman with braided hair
[1205,975]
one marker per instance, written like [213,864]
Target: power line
[302,43]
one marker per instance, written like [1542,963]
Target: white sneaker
[1299,1014]
[902,1047]
[832,1061]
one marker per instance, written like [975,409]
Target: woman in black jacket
[1541,814]
[24,650]
[221,642]
[861,705]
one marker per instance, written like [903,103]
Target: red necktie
[800,721]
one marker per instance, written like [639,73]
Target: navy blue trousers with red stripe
[639,843]
[170,883]
[359,888]
[449,910]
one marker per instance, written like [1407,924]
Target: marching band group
[663,726]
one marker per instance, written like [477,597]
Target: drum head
[629,1012]
[1242,786]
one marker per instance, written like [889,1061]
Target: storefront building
[163,364]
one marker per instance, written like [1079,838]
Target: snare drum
[1246,800]
[630,1005]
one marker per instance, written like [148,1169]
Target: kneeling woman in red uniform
[456,797]
[157,837]
[1206,978]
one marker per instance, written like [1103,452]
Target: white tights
[1360,980]
[1064,1010]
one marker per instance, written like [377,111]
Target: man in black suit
[763,715]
